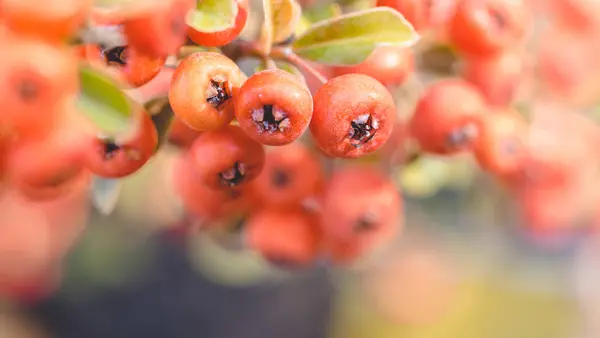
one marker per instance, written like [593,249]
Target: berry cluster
[266,144]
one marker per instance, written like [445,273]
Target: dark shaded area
[173,301]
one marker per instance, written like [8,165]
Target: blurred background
[466,264]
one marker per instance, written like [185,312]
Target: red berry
[353,115]
[47,168]
[203,88]
[206,204]
[362,209]
[226,158]
[291,175]
[446,117]
[274,107]
[501,146]
[498,77]
[421,14]
[107,158]
[487,26]
[181,135]
[54,21]
[38,83]
[224,37]
[288,238]
[161,31]
[136,68]
[390,65]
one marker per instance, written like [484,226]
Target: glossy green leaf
[321,13]
[103,102]
[213,15]
[105,194]
[349,39]
[162,116]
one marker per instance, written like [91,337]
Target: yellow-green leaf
[266,33]
[349,39]
[103,102]
[213,15]
[321,13]
[285,16]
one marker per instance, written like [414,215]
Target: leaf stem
[287,54]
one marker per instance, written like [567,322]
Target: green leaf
[349,39]
[114,3]
[162,115]
[321,13]
[213,15]
[105,194]
[103,102]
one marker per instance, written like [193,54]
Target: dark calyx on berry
[462,136]
[115,55]
[110,149]
[28,90]
[218,94]
[498,18]
[362,130]
[270,119]
[235,175]
[280,178]
[367,222]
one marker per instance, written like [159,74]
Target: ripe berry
[421,14]
[390,65]
[487,26]
[202,90]
[38,81]
[497,77]
[136,68]
[161,31]
[48,167]
[53,21]
[289,238]
[361,210]
[353,115]
[226,158]
[291,174]
[224,37]
[274,107]
[32,289]
[501,145]
[446,117]
[202,202]
[578,15]
[107,158]
[181,135]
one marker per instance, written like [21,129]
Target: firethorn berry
[501,145]
[291,174]
[224,37]
[421,14]
[48,167]
[32,289]
[136,68]
[181,135]
[202,90]
[226,158]
[107,158]
[285,238]
[446,117]
[202,202]
[274,107]
[390,65]
[579,15]
[53,21]
[498,77]
[159,32]
[353,115]
[361,209]
[38,81]
[487,26]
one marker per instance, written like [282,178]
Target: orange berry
[136,68]
[353,115]
[289,238]
[226,158]
[274,107]
[446,117]
[291,174]
[224,37]
[202,90]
